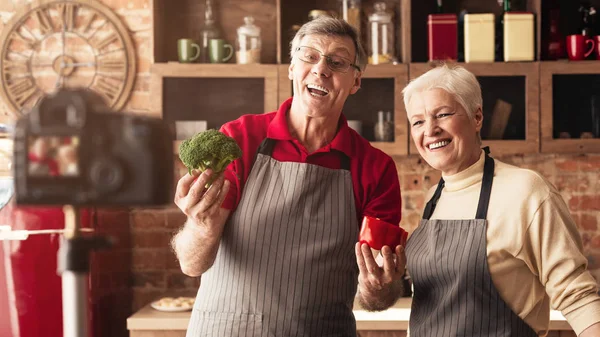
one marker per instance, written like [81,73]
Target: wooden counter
[148,322]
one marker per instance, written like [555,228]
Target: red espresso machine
[30,286]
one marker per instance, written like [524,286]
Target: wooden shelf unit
[530,70]
[548,143]
[276,17]
[399,75]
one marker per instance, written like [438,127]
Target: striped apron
[286,264]
[453,290]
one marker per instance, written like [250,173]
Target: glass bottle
[439,6]
[248,42]
[350,10]
[209,31]
[384,128]
[381,35]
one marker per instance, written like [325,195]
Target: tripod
[73,266]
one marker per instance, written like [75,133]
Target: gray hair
[456,80]
[325,25]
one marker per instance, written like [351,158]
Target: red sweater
[374,174]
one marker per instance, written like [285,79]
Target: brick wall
[142,267]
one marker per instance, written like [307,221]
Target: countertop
[395,318]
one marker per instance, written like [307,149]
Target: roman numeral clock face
[54,44]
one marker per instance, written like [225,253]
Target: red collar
[343,140]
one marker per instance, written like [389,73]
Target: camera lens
[106,175]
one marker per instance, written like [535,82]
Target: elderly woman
[496,247]
[275,238]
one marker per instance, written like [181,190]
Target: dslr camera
[71,149]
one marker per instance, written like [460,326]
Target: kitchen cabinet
[221,92]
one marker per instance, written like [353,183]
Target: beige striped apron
[453,291]
[286,264]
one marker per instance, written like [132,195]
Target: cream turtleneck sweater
[534,249]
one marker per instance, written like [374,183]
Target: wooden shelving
[548,70]
[182,89]
[530,72]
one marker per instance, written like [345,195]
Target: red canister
[442,30]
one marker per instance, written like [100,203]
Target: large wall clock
[51,44]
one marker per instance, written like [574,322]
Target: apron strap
[484,195]
[486,185]
[267,145]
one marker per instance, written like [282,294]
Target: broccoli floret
[209,149]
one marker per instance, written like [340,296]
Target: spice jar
[381,35]
[350,12]
[248,42]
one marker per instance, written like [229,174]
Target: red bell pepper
[378,233]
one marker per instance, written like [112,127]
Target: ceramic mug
[579,47]
[216,51]
[187,50]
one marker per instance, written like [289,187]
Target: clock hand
[84,64]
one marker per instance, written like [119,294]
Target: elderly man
[275,238]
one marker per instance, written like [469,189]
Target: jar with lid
[316,13]
[381,35]
[248,42]
[350,12]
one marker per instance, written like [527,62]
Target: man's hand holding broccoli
[210,149]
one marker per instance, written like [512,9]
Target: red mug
[597,48]
[576,47]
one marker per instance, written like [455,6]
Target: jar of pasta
[248,42]
[381,41]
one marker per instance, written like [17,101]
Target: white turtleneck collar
[465,178]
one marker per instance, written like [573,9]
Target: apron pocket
[213,323]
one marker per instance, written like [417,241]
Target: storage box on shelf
[522,91]
[207,91]
[569,109]
[381,90]
[419,10]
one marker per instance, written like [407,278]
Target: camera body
[71,149]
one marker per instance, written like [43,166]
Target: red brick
[113,218]
[138,100]
[175,218]
[149,259]
[594,242]
[172,262]
[585,203]
[143,296]
[410,221]
[591,163]
[156,279]
[594,260]
[111,261]
[178,280]
[414,201]
[571,183]
[142,83]
[411,182]
[147,219]
[150,240]
[568,164]
[587,222]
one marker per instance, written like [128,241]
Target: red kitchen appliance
[442,30]
[30,287]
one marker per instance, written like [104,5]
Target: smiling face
[445,135]
[319,91]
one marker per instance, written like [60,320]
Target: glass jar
[384,128]
[248,42]
[315,13]
[350,12]
[381,35]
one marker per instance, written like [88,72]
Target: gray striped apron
[286,264]
[453,290]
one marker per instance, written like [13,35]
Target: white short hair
[455,80]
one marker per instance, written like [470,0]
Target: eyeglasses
[334,62]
